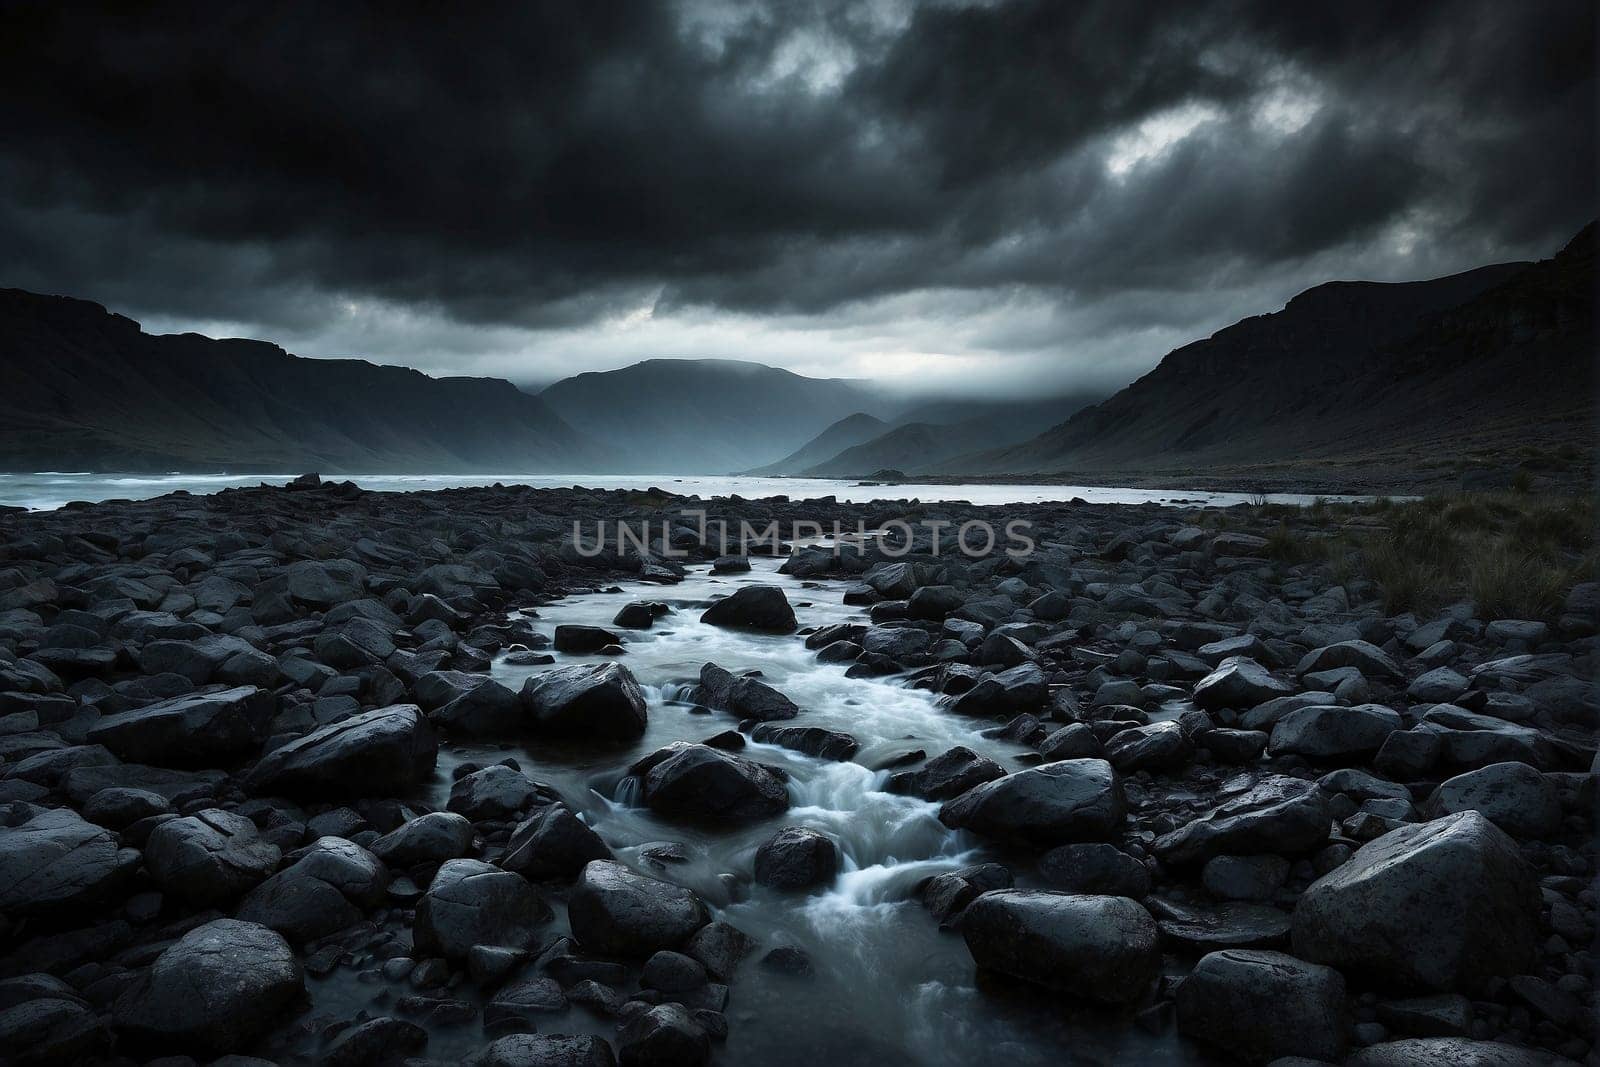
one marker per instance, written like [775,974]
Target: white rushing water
[888,987]
[51,489]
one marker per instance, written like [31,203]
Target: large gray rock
[1257,1006]
[197,659]
[486,710]
[1016,689]
[330,885]
[1095,867]
[51,860]
[552,843]
[1441,906]
[382,752]
[208,858]
[213,992]
[193,730]
[797,857]
[431,838]
[947,775]
[812,740]
[698,782]
[1053,804]
[746,697]
[324,584]
[602,702]
[44,1021]
[496,792]
[1323,733]
[1514,796]
[666,1035]
[472,903]
[1161,746]
[1276,815]
[1451,1052]
[1468,739]
[1239,682]
[617,912]
[1100,948]
[1369,659]
[544,1050]
[753,607]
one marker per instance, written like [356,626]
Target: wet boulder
[1160,746]
[947,775]
[797,858]
[617,912]
[1369,659]
[193,730]
[472,903]
[812,740]
[583,640]
[947,895]
[1333,733]
[1100,948]
[1017,689]
[1053,804]
[743,695]
[1449,1052]
[496,792]
[44,1021]
[552,843]
[431,838]
[52,861]
[329,885]
[1468,739]
[324,584]
[666,1035]
[376,753]
[1277,815]
[602,702]
[198,659]
[488,709]
[1239,682]
[544,1050]
[209,858]
[898,643]
[698,782]
[1095,868]
[1440,906]
[1514,796]
[214,991]
[1257,1006]
[753,607]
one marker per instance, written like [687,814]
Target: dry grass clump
[1514,554]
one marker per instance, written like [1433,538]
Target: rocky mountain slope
[89,390]
[925,436]
[705,416]
[848,432]
[1435,376]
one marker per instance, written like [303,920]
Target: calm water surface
[51,489]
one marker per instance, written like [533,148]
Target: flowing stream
[888,987]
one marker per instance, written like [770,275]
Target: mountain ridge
[89,388]
[1346,370]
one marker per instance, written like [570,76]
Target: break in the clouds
[956,195]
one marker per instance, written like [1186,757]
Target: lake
[47,490]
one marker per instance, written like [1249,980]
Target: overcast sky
[998,196]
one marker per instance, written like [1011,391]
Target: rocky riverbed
[313,774]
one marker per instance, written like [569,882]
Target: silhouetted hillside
[88,389]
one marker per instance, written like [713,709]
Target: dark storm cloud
[482,179]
